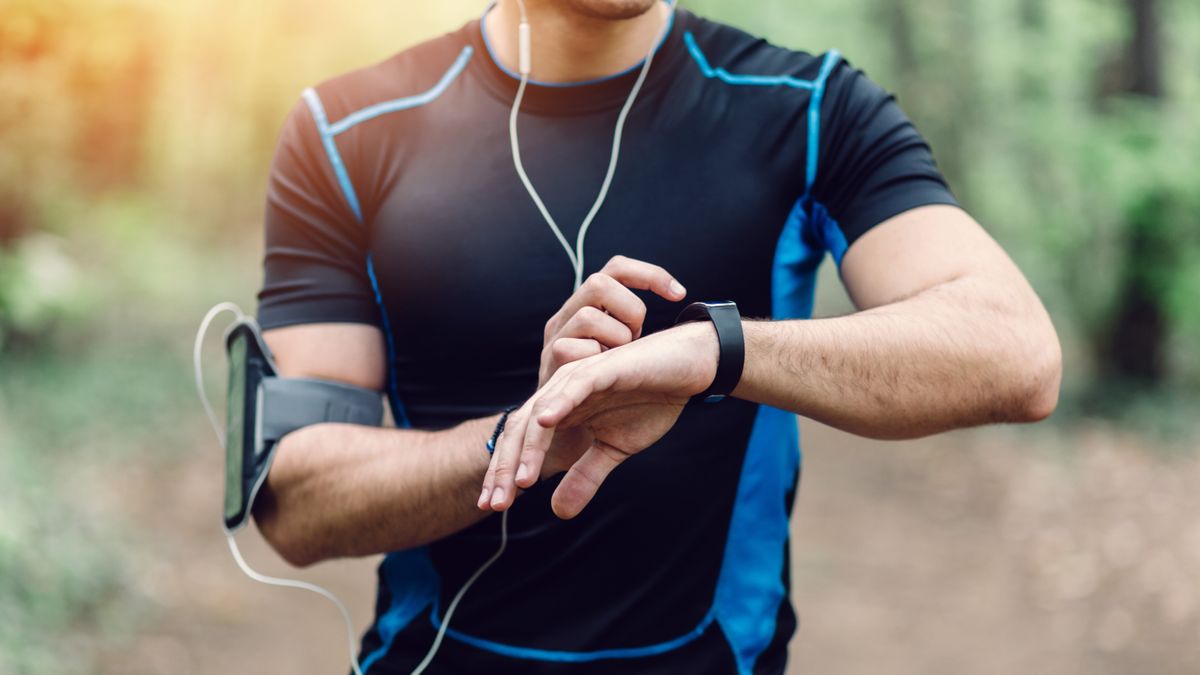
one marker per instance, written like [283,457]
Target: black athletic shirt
[393,202]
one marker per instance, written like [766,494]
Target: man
[404,254]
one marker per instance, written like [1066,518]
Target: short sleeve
[315,256]
[873,164]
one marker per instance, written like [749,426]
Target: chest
[458,241]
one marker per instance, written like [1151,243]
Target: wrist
[752,332]
[699,341]
[498,429]
[471,438]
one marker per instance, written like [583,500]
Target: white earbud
[523,47]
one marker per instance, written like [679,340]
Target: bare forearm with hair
[340,490]
[964,352]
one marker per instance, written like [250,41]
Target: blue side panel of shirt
[750,588]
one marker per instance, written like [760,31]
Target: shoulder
[834,85]
[410,73]
[738,57]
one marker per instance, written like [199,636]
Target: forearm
[958,354]
[341,490]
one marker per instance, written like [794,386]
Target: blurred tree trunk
[1145,49]
[1137,339]
[904,53]
[931,74]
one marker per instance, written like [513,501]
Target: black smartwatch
[728,322]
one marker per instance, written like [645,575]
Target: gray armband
[263,408]
[289,403]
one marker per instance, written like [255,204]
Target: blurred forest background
[135,137]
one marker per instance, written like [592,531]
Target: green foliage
[1021,103]
[39,283]
[57,569]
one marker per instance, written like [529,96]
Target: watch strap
[732,345]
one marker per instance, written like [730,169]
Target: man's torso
[680,563]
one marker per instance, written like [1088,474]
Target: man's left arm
[951,335]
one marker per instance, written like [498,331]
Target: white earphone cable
[302,585]
[437,641]
[198,369]
[576,256]
[197,356]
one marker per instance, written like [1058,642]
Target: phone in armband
[263,408]
[247,453]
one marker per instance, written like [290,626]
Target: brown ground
[994,551]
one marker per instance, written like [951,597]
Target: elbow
[275,514]
[296,556]
[281,536]
[1038,380]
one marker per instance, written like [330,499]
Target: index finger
[644,276]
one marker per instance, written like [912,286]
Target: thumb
[583,479]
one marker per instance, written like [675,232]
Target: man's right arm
[339,490]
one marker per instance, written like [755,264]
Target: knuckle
[639,311]
[600,285]
[590,316]
[607,282]
[560,348]
[542,405]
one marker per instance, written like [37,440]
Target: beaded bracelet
[491,444]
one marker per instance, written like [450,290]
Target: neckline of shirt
[554,98]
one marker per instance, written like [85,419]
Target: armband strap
[289,403]
[263,408]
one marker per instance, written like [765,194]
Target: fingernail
[522,471]
[483,498]
[677,288]
[498,497]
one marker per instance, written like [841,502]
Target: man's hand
[603,313]
[624,399]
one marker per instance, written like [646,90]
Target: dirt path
[984,552]
[997,551]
